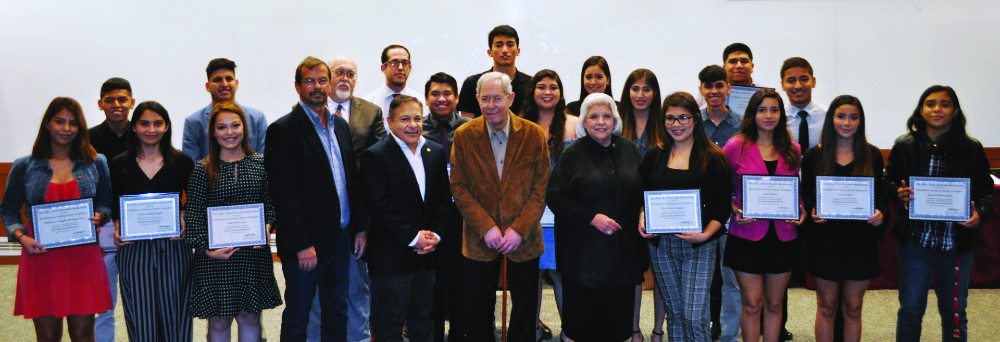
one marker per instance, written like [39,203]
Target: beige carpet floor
[879,315]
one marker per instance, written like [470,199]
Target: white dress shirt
[417,165]
[383,96]
[815,119]
[345,112]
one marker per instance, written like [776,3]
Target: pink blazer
[749,162]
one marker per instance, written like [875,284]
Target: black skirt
[843,250]
[768,255]
[597,314]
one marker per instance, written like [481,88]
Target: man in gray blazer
[367,128]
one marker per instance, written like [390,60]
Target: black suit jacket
[302,187]
[398,213]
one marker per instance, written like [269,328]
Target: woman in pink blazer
[762,252]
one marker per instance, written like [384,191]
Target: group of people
[391,211]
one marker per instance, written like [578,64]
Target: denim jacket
[30,177]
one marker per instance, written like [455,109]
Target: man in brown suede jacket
[500,167]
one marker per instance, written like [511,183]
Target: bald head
[344,71]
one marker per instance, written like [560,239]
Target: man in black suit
[313,185]
[408,194]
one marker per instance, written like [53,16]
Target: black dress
[244,282]
[599,271]
[155,274]
[842,249]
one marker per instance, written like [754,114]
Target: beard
[343,94]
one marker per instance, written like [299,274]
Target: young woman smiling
[762,252]
[684,263]
[155,274]
[843,253]
[229,282]
[594,78]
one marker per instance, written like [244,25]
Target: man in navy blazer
[408,194]
[313,185]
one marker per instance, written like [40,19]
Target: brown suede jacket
[485,200]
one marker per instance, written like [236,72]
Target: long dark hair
[529,110]
[654,123]
[828,141]
[134,146]
[780,137]
[710,153]
[80,149]
[598,61]
[956,131]
[211,163]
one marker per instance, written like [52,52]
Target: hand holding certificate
[940,199]
[64,224]
[150,216]
[771,197]
[673,211]
[236,226]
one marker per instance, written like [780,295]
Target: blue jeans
[331,278]
[732,303]
[358,307]
[104,325]
[917,267]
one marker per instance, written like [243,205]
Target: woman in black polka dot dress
[229,282]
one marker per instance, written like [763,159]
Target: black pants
[403,299]
[481,279]
[448,285]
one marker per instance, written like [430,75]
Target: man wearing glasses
[504,49]
[499,170]
[314,186]
[396,66]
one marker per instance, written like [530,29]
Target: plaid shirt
[936,234]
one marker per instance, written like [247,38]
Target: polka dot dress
[245,282]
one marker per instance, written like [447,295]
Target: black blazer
[398,213]
[302,188]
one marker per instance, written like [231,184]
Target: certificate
[150,216]
[548,218]
[64,224]
[845,198]
[940,199]
[739,97]
[236,226]
[673,211]
[771,197]
[106,238]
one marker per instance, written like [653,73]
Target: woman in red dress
[66,282]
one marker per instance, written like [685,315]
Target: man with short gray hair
[500,167]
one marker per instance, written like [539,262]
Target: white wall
[884,52]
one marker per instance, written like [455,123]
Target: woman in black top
[155,274]
[683,263]
[594,78]
[843,254]
[595,193]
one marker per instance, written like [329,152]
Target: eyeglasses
[486,101]
[683,119]
[396,63]
[341,73]
[311,82]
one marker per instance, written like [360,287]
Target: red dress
[63,281]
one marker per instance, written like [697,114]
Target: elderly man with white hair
[596,193]
[499,169]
